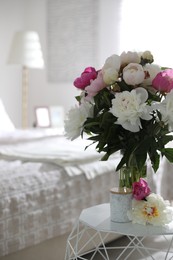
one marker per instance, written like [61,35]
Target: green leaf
[140,160]
[107,119]
[121,163]
[109,152]
[124,87]
[94,138]
[105,157]
[168,152]
[102,100]
[100,145]
[78,98]
[155,160]
[166,139]
[142,150]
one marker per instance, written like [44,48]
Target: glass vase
[128,175]
[121,197]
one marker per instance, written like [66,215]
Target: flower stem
[129,175]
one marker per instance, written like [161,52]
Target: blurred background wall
[121,25]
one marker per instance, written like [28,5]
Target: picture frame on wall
[42,115]
[56,116]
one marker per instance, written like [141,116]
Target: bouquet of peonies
[147,207]
[125,106]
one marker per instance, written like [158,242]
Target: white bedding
[23,135]
[40,199]
[71,155]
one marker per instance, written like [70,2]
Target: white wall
[11,17]
[17,15]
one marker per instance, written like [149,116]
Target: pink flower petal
[87,75]
[164,81]
[140,189]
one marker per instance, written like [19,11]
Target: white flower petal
[128,126]
[129,107]
[129,57]
[133,74]
[166,109]
[147,55]
[143,94]
[154,210]
[110,76]
[76,118]
[110,69]
[112,62]
[152,70]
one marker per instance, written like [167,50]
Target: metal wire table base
[83,237]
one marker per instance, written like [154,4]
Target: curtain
[72,37]
[85,33]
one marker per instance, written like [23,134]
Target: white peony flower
[151,71]
[154,210]
[166,109]
[147,55]
[129,107]
[76,118]
[110,69]
[133,74]
[129,57]
[110,76]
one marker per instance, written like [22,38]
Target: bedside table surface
[98,218]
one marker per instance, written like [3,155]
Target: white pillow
[5,121]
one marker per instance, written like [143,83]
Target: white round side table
[94,224]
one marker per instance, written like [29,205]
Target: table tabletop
[98,218]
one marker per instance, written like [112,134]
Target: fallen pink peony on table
[140,189]
[164,81]
[84,80]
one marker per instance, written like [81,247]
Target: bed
[45,182]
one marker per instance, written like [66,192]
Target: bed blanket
[40,201]
[71,156]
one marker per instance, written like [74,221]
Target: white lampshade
[26,50]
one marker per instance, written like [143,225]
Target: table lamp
[26,51]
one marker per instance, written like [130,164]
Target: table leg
[83,236]
[75,248]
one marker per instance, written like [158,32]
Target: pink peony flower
[140,189]
[95,86]
[84,80]
[164,81]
